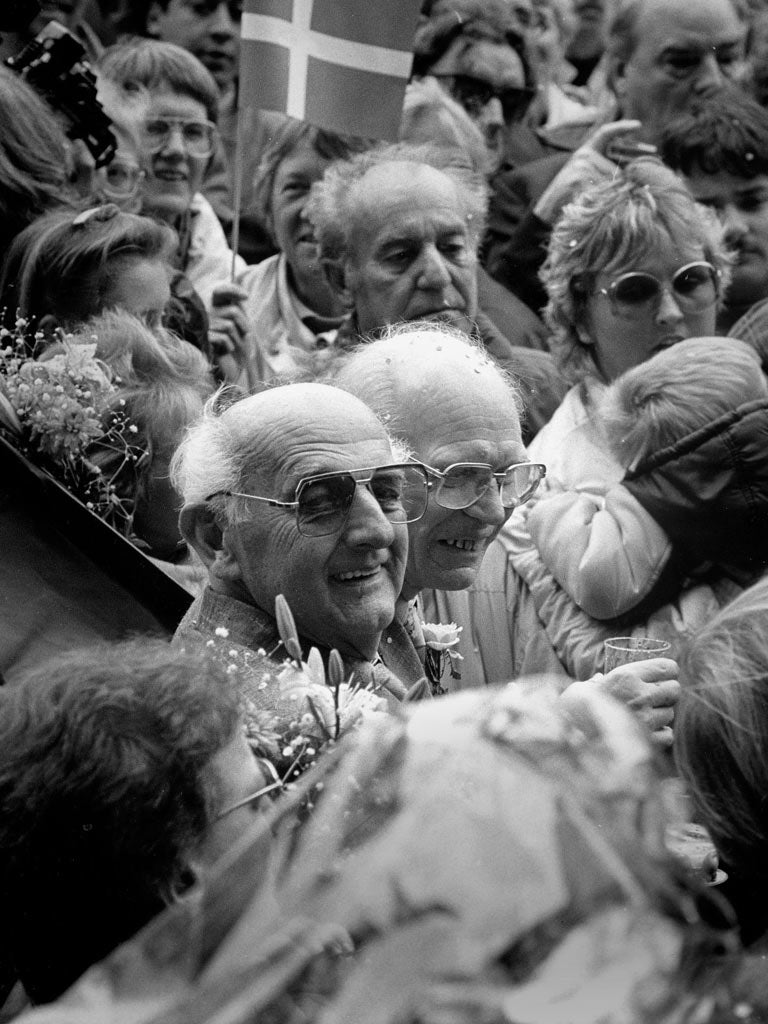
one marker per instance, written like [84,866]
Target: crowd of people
[410,429]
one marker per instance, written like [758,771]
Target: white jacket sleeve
[604,550]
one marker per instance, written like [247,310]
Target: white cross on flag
[340,64]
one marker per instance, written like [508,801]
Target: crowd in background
[418,419]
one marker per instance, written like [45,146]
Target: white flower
[441,636]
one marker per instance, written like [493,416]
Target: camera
[55,65]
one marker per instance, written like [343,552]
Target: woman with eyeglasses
[635,266]
[175,104]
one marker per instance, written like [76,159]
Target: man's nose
[710,76]
[669,311]
[366,525]
[222,23]
[735,223]
[492,116]
[433,273]
[488,508]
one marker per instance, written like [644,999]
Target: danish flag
[340,64]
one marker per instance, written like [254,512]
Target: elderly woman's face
[293,232]
[175,166]
[623,336]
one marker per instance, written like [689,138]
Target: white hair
[209,458]
[385,372]
[220,451]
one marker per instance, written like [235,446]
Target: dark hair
[448,20]
[291,136]
[102,798]
[63,264]
[33,157]
[150,64]
[728,132]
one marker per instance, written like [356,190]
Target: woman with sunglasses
[634,266]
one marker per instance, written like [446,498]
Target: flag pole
[237,201]
[238,190]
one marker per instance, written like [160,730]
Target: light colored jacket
[279,342]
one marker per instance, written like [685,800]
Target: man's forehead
[681,23]
[395,200]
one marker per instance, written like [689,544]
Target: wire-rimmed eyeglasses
[323,501]
[695,286]
[199,137]
[462,484]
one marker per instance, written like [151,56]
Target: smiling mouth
[171,175]
[462,545]
[355,574]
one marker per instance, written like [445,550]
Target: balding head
[341,582]
[450,403]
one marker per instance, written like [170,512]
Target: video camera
[55,65]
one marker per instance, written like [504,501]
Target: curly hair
[445,21]
[609,227]
[103,797]
[292,136]
[64,265]
[332,202]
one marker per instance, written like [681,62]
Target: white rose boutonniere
[441,640]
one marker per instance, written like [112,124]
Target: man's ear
[337,275]
[201,530]
[152,24]
[616,77]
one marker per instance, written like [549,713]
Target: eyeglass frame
[304,481]
[180,123]
[115,195]
[610,291]
[525,91]
[441,474]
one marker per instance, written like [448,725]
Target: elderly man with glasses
[297,491]
[447,400]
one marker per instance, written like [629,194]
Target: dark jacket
[709,492]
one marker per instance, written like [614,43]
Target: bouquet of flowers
[63,413]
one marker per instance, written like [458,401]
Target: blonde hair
[721,736]
[676,392]
[162,380]
[610,227]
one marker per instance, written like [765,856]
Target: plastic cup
[621,650]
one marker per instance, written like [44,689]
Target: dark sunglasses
[464,483]
[696,287]
[323,502]
[475,95]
